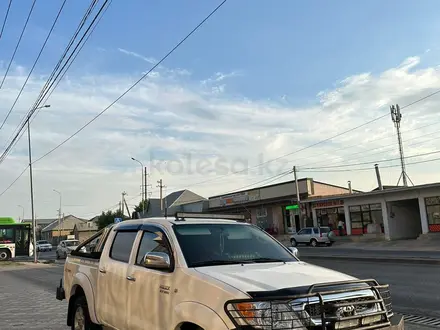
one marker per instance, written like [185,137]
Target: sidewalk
[414,251]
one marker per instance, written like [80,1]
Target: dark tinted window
[122,245]
[316,230]
[151,242]
[216,244]
[307,231]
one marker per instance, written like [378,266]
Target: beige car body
[127,296]
[156,300]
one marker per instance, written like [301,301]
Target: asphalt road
[28,295]
[353,252]
[415,288]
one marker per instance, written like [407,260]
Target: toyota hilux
[199,272]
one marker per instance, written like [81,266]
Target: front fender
[199,314]
[82,281]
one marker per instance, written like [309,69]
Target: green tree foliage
[139,207]
[108,217]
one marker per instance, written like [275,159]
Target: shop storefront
[433,213]
[329,213]
[363,215]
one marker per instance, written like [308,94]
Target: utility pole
[161,186]
[298,201]
[122,203]
[144,198]
[396,117]
[126,205]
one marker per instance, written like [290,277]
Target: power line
[131,87]
[13,182]
[370,162]
[135,84]
[6,18]
[35,63]
[50,80]
[19,41]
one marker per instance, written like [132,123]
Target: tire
[58,256]
[313,242]
[80,316]
[5,255]
[293,242]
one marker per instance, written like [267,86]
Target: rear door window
[122,245]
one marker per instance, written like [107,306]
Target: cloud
[150,60]
[187,133]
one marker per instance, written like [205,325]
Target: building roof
[41,222]
[86,226]
[375,192]
[172,201]
[187,197]
[54,224]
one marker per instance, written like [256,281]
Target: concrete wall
[321,189]
[404,219]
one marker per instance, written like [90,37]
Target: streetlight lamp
[34,223]
[59,217]
[22,218]
[142,183]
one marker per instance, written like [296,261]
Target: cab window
[152,242]
[122,245]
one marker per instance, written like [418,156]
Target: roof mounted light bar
[181,216]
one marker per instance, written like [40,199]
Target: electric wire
[18,43]
[6,18]
[43,92]
[35,63]
[132,86]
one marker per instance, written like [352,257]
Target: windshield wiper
[219,262]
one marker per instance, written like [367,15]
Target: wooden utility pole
[161,186]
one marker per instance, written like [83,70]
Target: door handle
[102,270]
[131,278]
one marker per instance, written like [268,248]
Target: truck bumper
[61,295]
[397,323]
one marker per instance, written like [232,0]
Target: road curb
[424,261]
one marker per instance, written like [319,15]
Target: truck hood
[272,276]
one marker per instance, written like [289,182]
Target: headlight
[265,315]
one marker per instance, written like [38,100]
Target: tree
[140,206]
[107,218]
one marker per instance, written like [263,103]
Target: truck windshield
[220,244]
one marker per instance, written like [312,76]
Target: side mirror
[157,260]
[294,251]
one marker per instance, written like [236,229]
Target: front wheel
[5,255]
[293,242]
[81,318]
[314,242]
[58,256]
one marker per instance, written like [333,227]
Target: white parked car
[210,274]
[43,246]
[65,247]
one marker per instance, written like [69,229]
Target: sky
[259,81]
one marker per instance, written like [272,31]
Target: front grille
[341,305]
[361,305]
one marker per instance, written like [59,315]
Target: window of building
[433,212]
[122,245]
[363,215]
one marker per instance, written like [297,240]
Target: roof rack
[181,216]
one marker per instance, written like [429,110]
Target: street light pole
[142,183]
[22,211]
[59,217]
[34,223]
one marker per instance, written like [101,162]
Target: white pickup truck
[195,272]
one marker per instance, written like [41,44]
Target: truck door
[112,292]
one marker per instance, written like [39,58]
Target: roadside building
[59,230]
[85,230]
[389,213]
[274,207]
[179,201]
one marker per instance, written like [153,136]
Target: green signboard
[292,207]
